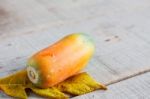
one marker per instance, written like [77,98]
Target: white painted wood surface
[113,60]
[98,16]
[20,16]
[120,30]
[135,88]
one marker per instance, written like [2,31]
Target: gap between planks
[128,77]
[124,78]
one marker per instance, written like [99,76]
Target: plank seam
[128,77]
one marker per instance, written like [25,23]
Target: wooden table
[120,28]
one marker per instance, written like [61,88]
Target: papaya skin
[61,60]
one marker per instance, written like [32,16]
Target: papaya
[61,60]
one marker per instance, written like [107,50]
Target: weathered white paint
[135,88]
[98,16]
[20,16]
[113,60]
[120,30]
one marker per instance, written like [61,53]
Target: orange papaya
[61,60]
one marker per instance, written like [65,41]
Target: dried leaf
[16,84]
[17,78]
[79,84]
[17,91]
[52,93]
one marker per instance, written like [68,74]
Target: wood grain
[100,16]
[120,30]
[20,16]
[112,61]
[134,88]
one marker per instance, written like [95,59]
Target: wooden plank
[19,16]
[120,53]
[108,16]
[134,88]
[116,57]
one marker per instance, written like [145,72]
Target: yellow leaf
[17,78]
[52,93]
[16,84]
[17,91]
[80,84]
